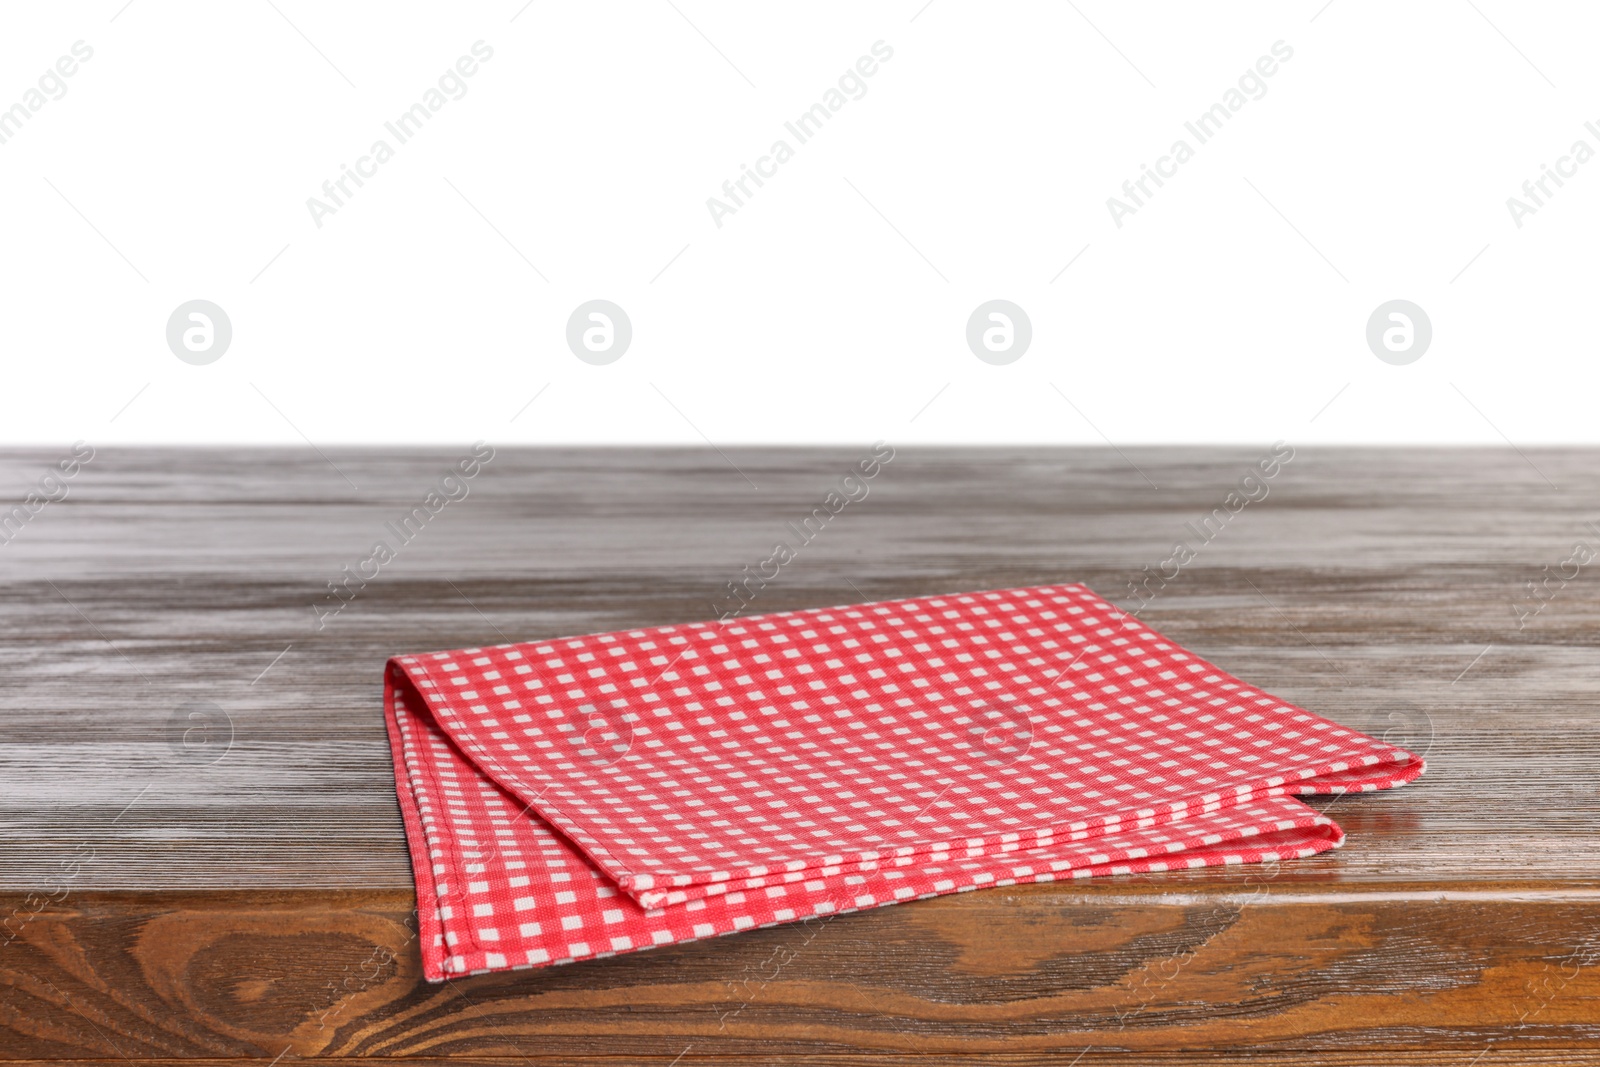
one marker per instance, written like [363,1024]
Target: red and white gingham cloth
[592,795]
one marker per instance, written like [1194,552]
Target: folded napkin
[592,795]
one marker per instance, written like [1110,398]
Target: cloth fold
[592,795]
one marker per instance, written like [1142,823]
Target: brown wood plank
[1093,1058]
[1040,969]
[196,901]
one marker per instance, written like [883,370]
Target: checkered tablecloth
[585,796]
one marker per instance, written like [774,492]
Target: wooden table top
[201,855]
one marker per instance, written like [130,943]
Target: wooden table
[201,858]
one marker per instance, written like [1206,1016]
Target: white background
[832,306]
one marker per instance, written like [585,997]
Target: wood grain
[1046,969]
[236,884]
